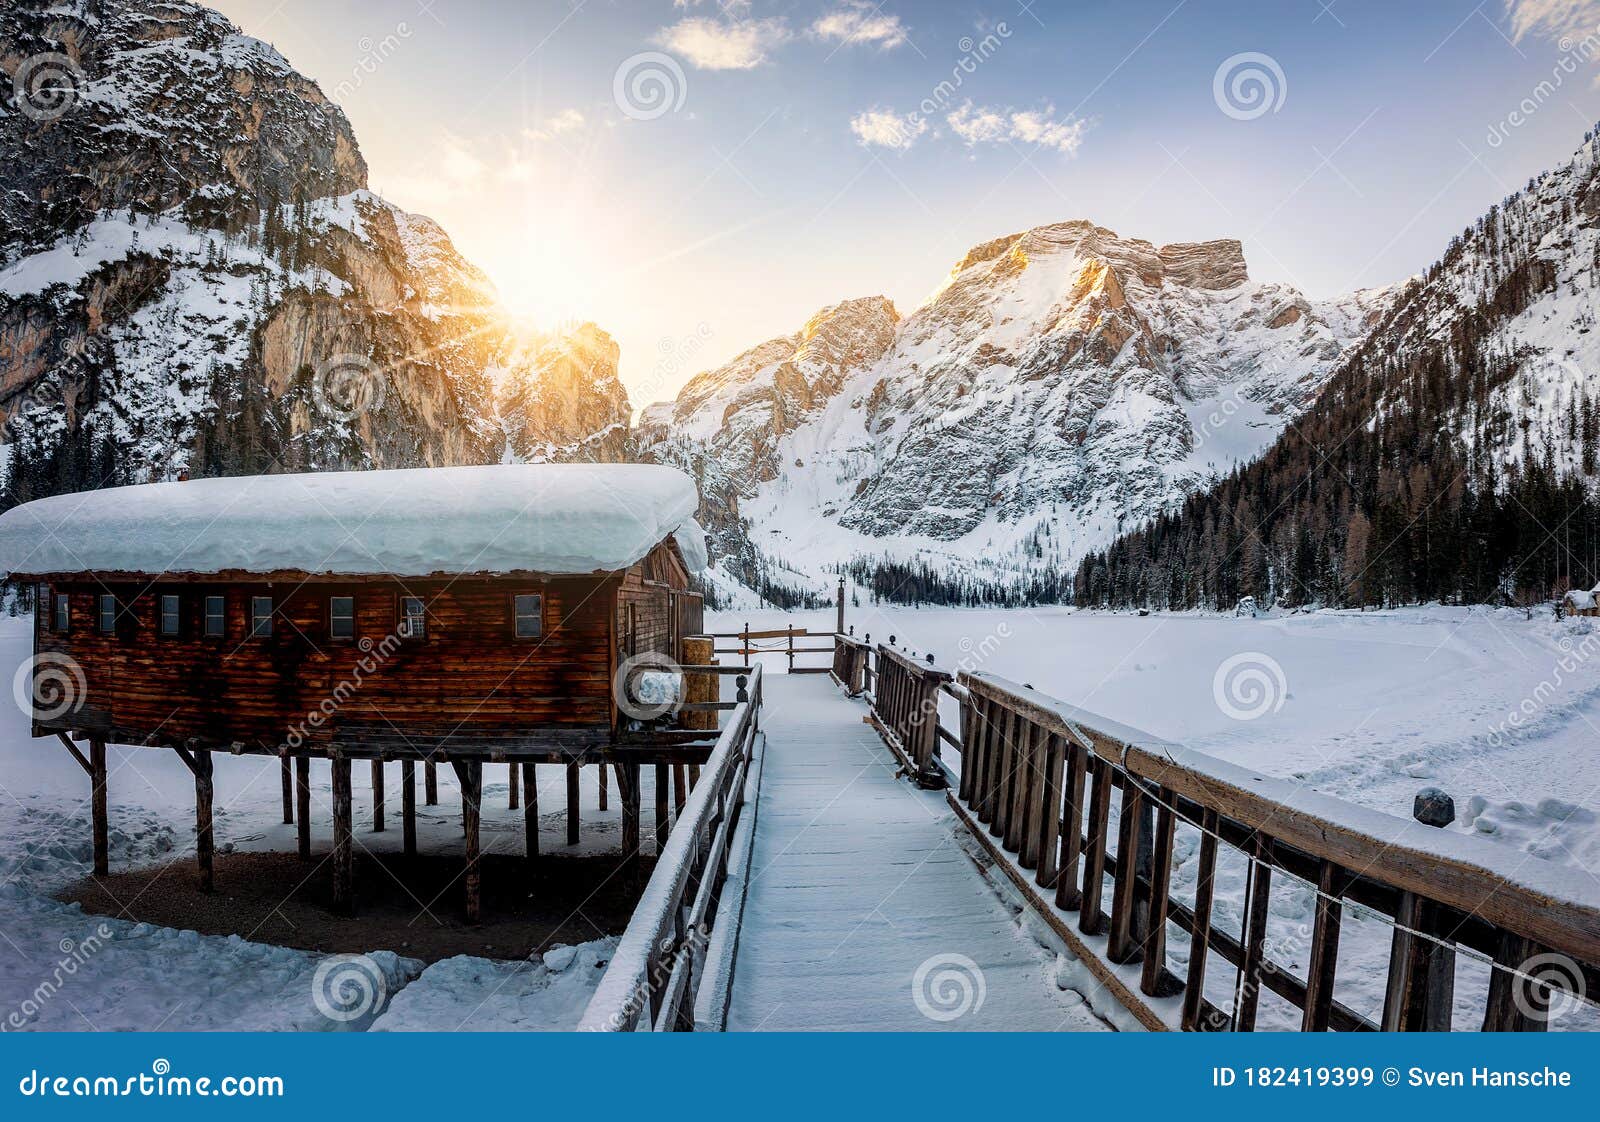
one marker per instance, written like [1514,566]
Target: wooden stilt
[572,803]
[288,789]
[302,797]
[663,818]
[603,792]
[204,835]
[515,786]
[680,789]
[377,796]
[530,823]
[470,773]
[430,784]
[694,776]
[344,895]
[102,817]
[628,790]
[408,806]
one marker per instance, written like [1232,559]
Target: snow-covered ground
[1499,711]
[61,969]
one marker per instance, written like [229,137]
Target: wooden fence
[780,641]
[654,977]
[1082,813]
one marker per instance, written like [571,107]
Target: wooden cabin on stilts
[512,615]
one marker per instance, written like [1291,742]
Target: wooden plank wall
[469,669]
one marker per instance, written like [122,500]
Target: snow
[466,993]
[546,518]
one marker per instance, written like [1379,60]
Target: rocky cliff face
[561,399]
[194,277]
[1061,384]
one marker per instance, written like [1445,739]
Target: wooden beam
[430,783]
[1194,996]
[77,755]
[680,789]
[470,773]
[514,787]
[102,818]
[1324,950]
[572,803]
[530,811]
[628,789]
[377,796]
[302,795]
[663,816]
[408,806]
[204,834]
[602,778]
[286,771]
[344,895]
[1258,898]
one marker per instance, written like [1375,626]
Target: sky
[697,177]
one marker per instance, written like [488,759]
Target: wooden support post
[1048,827]
[470,773]
[288,790]
[408,806]
[515,787]
[604,794]
[1254,937]
[1422,971]
[628,790]
[698,650]
[377,796]
[1324,949]
[663,817]
[102,816]
[1194,992]
[572,803]
[204,834]
[1512,997]
[430,783]
[680,789]
[344,869]
[791,649]
[838,622]
[530,821]
[302,798]
[1122,944]
[1091,917]
[1068,893]
[1155,980]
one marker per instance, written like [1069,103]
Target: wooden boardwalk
[864,912]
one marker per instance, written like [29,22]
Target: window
[413,618]
[216,617]
[260,617]
[63,612]
[108,613]
[170,616]
[530,616]
[342,617]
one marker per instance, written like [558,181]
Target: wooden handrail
[1036,782]
[655,973]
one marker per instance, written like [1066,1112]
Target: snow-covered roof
[544,518]
[1581,598]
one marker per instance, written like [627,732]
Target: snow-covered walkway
[863,911]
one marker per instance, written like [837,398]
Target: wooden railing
[1082,813]
[778,640]
[654,977]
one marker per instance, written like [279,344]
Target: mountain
[194,276]
[1453,454]
[1061,384]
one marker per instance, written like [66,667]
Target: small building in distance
[1581,602]
[462,615]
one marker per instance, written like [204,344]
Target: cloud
[977,124]
[568,120]
[857,21]
[887,129]
[1553,19]
[716,45]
